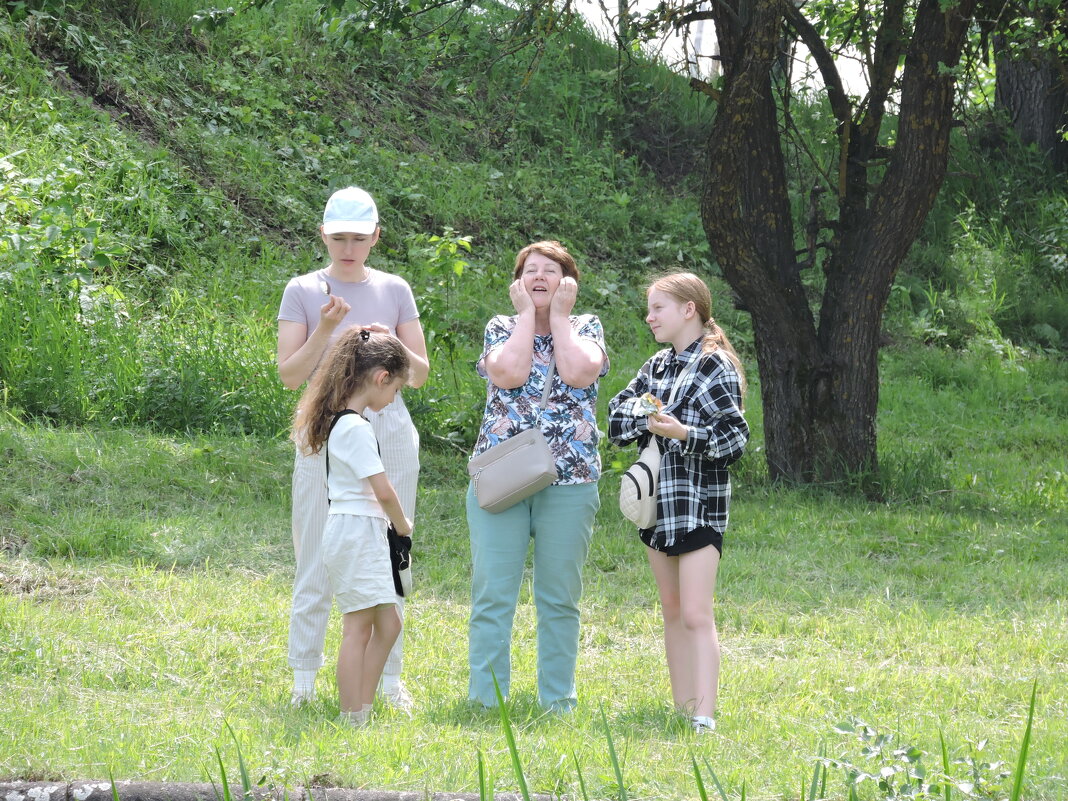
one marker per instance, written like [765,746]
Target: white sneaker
[355,720]
[303,687]
[399,698]
[702,724]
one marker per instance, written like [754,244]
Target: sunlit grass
[829,608]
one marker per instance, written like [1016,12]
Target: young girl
[364,370]
[700,434]
[316,309]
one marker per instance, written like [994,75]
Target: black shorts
[700,537]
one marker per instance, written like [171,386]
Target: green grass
[144,593]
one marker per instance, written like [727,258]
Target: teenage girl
[700,434]
[363,370]
[316,309]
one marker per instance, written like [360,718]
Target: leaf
[701,793]
[509,737]
[1017,781]
[945,763]
[582,781]
[612,755]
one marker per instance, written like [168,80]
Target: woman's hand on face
[521,299]
[333,312]
[664,425]
[565,296]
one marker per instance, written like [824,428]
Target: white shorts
[356,556]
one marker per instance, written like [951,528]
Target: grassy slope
[252,126]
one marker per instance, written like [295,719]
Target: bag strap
[548,384]
[545,393]
[691,367]
[326,449]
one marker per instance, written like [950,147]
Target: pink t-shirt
[379,298]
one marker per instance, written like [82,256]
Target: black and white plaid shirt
[695,487]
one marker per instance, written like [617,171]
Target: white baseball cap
[350,210]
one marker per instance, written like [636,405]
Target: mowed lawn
[144,594]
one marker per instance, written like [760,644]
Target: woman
[317,308]
[559,518]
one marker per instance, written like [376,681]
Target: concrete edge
[205,791]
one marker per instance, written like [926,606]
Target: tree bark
[1033,92]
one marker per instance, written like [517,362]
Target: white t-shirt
[379,298]
[353,452]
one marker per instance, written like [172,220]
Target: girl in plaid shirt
[700,434]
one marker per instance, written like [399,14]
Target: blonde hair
[347,366]
[550,249]
[688,288]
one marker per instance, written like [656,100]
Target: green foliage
[182,247]
[991,271]
[440,275]
[149,232]
[898,771]
[509,736]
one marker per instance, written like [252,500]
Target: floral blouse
[569,421]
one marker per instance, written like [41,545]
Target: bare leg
[356,630]
[697,583]
[384,632]
[677,645]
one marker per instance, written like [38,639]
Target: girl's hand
[664,425]
[521,299]
[406,529]
[376,328]
[333,312]
[565,296]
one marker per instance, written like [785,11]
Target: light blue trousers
[560,521]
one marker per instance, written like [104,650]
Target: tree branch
[696,16]
[836,94]
[888,49]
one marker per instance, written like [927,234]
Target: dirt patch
[41,584]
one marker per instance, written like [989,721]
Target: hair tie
[365,334]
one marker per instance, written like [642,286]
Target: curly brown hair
[345,368]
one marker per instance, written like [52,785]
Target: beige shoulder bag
[515,469]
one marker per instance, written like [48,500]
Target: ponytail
[345,368]
[715,340]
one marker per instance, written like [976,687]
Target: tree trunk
[820,382]
[1033,91]
[746,215]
